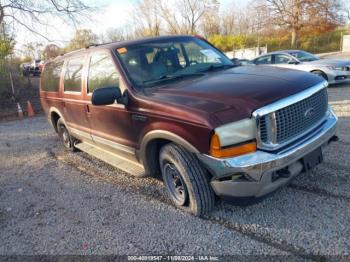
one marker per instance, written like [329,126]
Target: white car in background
[334,71]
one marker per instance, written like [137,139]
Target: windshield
[151,63]
[303,56]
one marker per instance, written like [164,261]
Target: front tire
[186,181]
[66,138]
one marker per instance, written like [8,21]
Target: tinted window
[50,78]
[102,72]
[72,77]
[263,60]
[283,59]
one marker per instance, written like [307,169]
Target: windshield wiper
[171,77]
[214,67]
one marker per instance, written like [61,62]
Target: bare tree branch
[28,13]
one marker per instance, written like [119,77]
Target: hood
[330,62]
[235,93]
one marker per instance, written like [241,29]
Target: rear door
[73,103]
[110,125]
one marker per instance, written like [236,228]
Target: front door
[110,125]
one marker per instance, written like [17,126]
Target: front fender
[149,148]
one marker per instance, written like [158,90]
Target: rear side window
[102,72]
[50,78]
[72,77]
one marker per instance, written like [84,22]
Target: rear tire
[67,140]
[321,74]
[186,181]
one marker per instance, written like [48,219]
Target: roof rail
[91,45]
[94,44]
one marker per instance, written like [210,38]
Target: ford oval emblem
[309,113]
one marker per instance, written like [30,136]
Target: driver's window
[282,59]
[102,72]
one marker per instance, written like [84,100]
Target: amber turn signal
[217,151]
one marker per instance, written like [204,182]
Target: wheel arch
[54,115]
[151,144]
[321,71]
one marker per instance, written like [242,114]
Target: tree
[346,10]
[33,50]
[184,16]
[51,51]
[82,39]
[6,47]
[118,34]
[210,22]
[192,11]
[228,21]
[28,13]
[298,14]
[147,18]
[7,43]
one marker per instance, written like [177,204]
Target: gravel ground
[57,202]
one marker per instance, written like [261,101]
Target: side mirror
[105,96]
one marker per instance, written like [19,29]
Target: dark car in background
[176,107]
[35,67]
[25,68]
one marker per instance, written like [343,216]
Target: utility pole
[341,42]
[12,86]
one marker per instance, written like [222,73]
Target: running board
[115,160]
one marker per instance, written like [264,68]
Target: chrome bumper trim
[257,163]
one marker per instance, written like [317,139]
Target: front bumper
[258,168]
[337,76]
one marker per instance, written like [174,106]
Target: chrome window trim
[285,102]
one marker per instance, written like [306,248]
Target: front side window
[150,63]
[282,59]
[72,77]
[102,72]
[263,60]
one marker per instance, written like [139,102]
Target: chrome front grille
[288,123]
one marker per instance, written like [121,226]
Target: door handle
[87,108]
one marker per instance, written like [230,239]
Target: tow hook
[334,138]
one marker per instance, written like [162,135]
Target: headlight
[338,68]
[234,139]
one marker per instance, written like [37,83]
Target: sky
[109,14]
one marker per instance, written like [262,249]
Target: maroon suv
[176,106]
